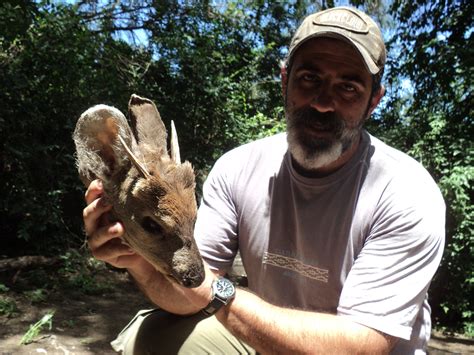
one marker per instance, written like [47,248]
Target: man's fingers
[104,238]
[111,250]
[117,254]
[92,213]
[104,234]
[94,190]
[126,261]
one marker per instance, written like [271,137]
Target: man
[340,234]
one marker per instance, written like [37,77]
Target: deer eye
[151,226]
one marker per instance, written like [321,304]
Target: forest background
[213,68]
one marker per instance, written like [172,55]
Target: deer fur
[152,194]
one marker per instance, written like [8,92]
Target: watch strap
[213,306]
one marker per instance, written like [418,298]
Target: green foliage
[213,68]
[35,279]
[54,69]
[469,327]
[35,329]
[36,296]
[79,273]
[7,306]
[432,51]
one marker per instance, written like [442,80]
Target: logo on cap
[342,19]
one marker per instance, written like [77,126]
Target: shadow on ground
[82,323]
[86,323]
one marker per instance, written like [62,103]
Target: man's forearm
[170,296]
[165,294]
[271,329]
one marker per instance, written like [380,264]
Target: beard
[313,150]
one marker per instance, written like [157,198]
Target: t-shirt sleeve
[216,225]
[387,284]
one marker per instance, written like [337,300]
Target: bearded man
[340,234]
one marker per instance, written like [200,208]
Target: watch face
[225,288]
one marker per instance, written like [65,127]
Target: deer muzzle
[187,267]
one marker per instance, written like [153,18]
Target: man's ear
[375,99]
[284,78]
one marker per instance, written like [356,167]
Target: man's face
[327,100]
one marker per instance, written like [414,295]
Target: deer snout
[187,266]
[192,278]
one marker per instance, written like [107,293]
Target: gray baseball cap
[348,24]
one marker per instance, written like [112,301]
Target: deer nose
[187,282]
[192,279]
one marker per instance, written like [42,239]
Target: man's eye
[309,77]
[348,88]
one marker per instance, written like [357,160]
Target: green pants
[158,332]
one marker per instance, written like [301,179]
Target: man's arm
[172,297]
[271,329]
[105,243]
[268,328]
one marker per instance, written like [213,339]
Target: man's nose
[323,100]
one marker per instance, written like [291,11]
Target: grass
[7,306]
[469,329]
[35,329]
[78,271]
[36,296]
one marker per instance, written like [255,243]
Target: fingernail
[116,228]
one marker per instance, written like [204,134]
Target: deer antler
[134,159]
[175,156]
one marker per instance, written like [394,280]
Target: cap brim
[369,63]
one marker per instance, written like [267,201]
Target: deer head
[152,193]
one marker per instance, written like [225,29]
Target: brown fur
[158,209]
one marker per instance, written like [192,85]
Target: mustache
[309,117]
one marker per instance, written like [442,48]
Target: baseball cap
[349,24]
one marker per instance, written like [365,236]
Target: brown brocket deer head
[152,194]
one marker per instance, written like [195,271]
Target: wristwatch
[223,291]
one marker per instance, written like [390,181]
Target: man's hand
[104,238]
[105,242]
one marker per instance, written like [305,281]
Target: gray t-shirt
[363,242]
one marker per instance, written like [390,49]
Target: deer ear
[147,125]
[100,152]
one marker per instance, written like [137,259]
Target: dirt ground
[85,324]
[82,323]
